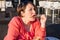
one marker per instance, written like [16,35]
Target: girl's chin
[32,19]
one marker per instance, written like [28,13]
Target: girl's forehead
[29,5]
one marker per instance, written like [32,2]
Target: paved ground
[3,30]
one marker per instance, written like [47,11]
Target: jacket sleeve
[39,31]
[13,30]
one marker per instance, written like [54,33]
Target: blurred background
[51,8]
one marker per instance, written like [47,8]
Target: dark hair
[22,6]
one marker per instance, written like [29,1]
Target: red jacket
[16,30]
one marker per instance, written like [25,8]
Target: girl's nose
[34,12]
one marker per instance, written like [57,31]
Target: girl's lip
[33,16]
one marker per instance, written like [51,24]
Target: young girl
[26,26]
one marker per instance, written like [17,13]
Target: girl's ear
[22,13]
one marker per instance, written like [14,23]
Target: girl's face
[29,13]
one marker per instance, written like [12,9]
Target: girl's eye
[30,9]
[34,9]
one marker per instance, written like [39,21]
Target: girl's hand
[43,20]
[36,38]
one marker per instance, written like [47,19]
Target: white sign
[50,5]
[8,4]
[56,5]
[2,9]
[59,6]
[0,4]
[42,3]
[47,4]
[3,4]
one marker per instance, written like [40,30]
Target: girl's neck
[27,24]
[25,21]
